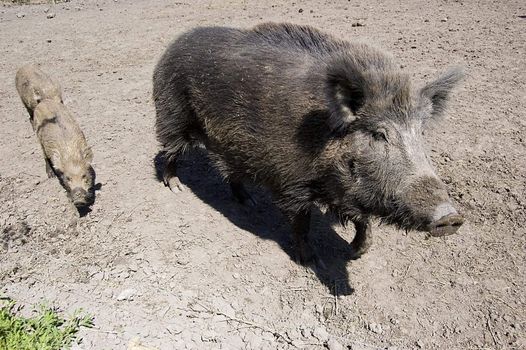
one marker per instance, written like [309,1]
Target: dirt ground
[196,270]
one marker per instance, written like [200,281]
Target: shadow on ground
[265,220]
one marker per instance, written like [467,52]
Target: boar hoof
[359,247]
[174,184]
[362,240]
[50,174]
[357,252]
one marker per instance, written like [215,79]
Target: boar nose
[80,197]
[446,220]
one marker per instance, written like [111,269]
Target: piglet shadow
[83,211]
[264,219]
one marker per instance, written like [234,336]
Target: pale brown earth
[206,273]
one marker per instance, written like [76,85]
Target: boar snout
[446,221]
[81,198]
[430,207]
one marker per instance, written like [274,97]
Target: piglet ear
[438,91]
[88,154]
[346,94]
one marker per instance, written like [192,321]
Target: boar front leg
[362,239]
[300,231]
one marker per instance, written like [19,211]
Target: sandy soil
[196,270]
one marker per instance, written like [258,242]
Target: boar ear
[88,154]
[438,91]
[346,94]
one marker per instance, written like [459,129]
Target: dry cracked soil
[196,270]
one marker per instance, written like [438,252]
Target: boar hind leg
[176,130]
[362,239]
[49,169]
[241,194]
[170,178]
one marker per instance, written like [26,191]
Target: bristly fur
[65,148]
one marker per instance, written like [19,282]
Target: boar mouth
[445,226]
[82,205]
[86,201]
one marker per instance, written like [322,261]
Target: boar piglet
[66,151]
[315,119]
[34,86]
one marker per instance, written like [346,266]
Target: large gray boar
[66,151]
[316,119]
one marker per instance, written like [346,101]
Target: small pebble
[375,328]
[333,344]
[20,15]
[50,15]
[127,294]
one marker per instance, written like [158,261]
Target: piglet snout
[81,197]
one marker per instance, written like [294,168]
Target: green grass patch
[45,330]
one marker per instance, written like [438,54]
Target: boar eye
[380,135]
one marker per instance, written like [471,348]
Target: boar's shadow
[265,220]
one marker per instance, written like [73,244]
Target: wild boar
[34,86]
[316,119]
[66,151]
